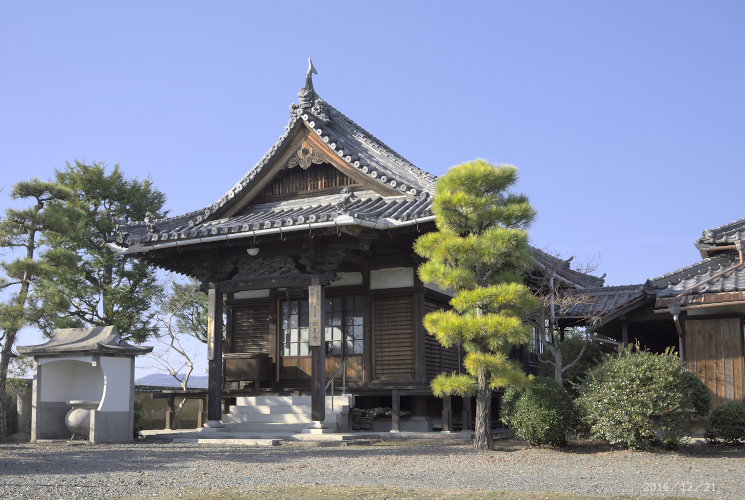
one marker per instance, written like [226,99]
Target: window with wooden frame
[343,332]
[344,325]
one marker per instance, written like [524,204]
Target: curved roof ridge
[691,270]
[726,233]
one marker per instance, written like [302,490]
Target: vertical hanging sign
[315,316]
[211,318]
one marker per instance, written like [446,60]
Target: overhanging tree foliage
[91,286]
[19,236]
[480,251]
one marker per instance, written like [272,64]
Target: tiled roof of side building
[676,282]
[723,235]
[561,267]
[596,302]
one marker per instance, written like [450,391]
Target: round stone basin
[78,419]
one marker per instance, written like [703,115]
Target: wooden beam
[317,344]
[466,414]
[447,414]
[395,410]
[358,261]
[214,355]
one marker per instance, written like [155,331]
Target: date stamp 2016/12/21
[681,486]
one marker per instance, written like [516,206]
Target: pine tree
[481,252]
[20,230]
[91,285]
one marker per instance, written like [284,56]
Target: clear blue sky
[626,119]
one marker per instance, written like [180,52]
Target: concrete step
[255,427]
[284,418]
[272,400]
[340,400]
[268,409]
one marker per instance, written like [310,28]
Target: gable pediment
[306,167]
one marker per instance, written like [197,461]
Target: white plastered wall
[347,279]
[392,277]
[65,379]
[117,373]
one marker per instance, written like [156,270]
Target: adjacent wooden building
[698,310]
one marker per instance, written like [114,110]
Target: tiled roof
[561,267]
[596,302]
[351,143]
[674,283]
[99,339]
[290,215]
[723,235]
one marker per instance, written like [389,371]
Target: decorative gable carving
[305,156]
[316,179]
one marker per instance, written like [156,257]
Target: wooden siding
[301,367]
[714,352]
[297,181]
[438,359]
[394,338]
[250,329]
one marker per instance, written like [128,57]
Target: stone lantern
[83,385]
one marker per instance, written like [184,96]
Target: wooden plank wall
[300,368]
[250,329]
[394,338]
[438,359]
[714,352]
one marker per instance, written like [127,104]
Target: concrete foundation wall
[48,421]
[110,426]
[155,412]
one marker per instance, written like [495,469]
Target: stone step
[272,400]
[255,427]
[339,400]
[283,418]
[280,409]
[269,409]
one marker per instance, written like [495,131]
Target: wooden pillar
[200,414]
[395,410]
[317,344]
[171,412]
[447,415]
[466,414]
[214,356]
[625,333]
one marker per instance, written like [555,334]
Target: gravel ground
[61,470]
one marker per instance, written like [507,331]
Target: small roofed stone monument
[83,385]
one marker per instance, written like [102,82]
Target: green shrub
[570,349]
[636,399]
[139,413]
[542,413]
[727,423]
[697,392]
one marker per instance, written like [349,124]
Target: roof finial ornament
[309,75]
[307,94]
